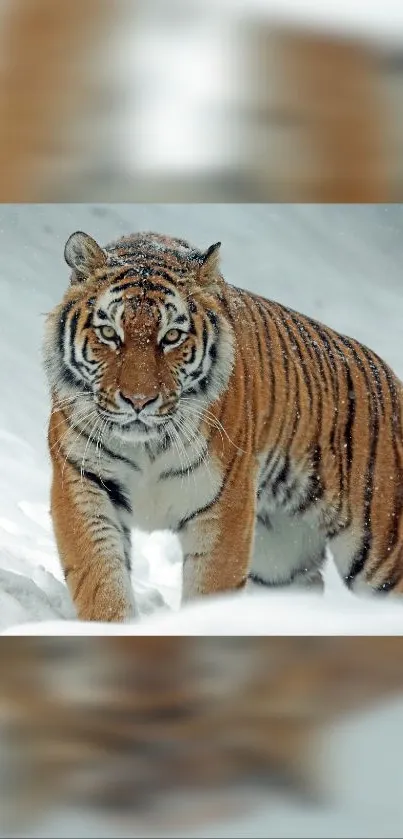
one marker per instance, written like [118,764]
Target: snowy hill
[341,264]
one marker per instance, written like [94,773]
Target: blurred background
[201,100]
[209,737]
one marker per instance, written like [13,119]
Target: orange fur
[292,440]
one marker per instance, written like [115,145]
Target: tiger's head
[139,334]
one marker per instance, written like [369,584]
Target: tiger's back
[328,426]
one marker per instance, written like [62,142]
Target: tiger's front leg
[91,546]
[217,545]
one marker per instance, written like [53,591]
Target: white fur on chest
[160,498]
[160,502]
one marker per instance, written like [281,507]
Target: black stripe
[192,355]
[160,271]
[117,277]
[264,315]
[194,556]
[119,457]
[127,546]
[215,325]
[92,365]
[272,461]
[315,490]
[321,331]
[100,527]
[73,325]
[344,451]
[260,581]
[105,450]
[395,433]
[263,519]
[349,427]
[330,361]
[282,475]
[69,378]
[256,578]
[299,352]
[178,473]
[101,530]
[274,452]
[84,350]
[192,326]
[213,501]
[81,581]
[145,286]
[390,583]
[150,452]
[232,316]
[284,356]
[371,359]
[205,338]
[157,447]
[161,445]
[360,558]
[114,490]
[250,302]
[213,318]
[321,347]
[62,325]
[396,402]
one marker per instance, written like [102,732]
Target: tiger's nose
[139,401]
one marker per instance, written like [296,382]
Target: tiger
[259,436]
[121,725]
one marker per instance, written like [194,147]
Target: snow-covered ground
[341,264]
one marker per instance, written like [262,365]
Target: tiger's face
[147,350]
[139,356]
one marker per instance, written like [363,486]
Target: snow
[257,614]
[338,263]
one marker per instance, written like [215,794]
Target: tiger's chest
[166,490]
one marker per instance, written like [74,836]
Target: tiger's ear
[83,255]
[209,265]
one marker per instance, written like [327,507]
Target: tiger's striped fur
[257,434]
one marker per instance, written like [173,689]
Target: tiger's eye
[107,332]
[172,336]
